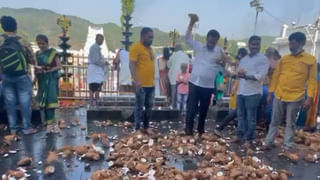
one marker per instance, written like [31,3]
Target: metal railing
[77,72]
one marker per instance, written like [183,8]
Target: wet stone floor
[38,146]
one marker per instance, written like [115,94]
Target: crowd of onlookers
[265,85]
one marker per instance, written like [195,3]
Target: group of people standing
[16,55]
[174,76]
[282,82]
[283,86]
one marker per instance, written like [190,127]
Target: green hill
[35,21]
[39,21]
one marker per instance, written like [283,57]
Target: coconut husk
[49,170]
[62,124]
[142,167]
[16,174]
[294,157]
[25,161]
[311,157]
[80,150]
[93,156]
[10,138]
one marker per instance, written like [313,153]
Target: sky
[232,18]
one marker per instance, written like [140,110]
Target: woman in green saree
[48,65]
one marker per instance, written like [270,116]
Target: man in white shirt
[96,68]
[174,65]
[202,79]
[252,70]
[122,64]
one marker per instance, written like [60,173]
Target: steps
[121,107]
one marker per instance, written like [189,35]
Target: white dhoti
[96,74]
[125,75]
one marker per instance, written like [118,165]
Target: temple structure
[310,30]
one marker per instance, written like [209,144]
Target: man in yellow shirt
[293,74]
[142,67]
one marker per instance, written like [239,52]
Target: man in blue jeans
[252,70]
[142,67]
[15,53]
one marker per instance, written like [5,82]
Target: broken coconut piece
[16,174]
[80,150]
[98,149]
[143,167]
[93,156]
[294,157]
[62,124]
[49,170]
[235,172]
[25,161]
[10,138]
[283,176]
[311,158]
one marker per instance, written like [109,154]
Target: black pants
[231,116]
[197,95]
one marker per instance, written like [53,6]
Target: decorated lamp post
[64,24]
[174,35]
[66,87]
[126,33]
[126,11]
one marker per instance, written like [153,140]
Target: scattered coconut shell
[289,174]
[49,170]
[10,138]
[93,156]
[283,176]
[294,157]
[315,147]
[62,124]
[142,167]
[104,174]
[274,176]
[67,151]
[236,158]
[16,174]
[235,172]
[25,161]
[311,158]
[104,141]
[127,124]
[80,150]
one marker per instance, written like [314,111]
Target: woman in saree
[48,65]
[163,72]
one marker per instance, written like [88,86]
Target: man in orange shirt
[293,74]
[142,67]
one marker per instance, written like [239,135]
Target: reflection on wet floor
[39,145]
